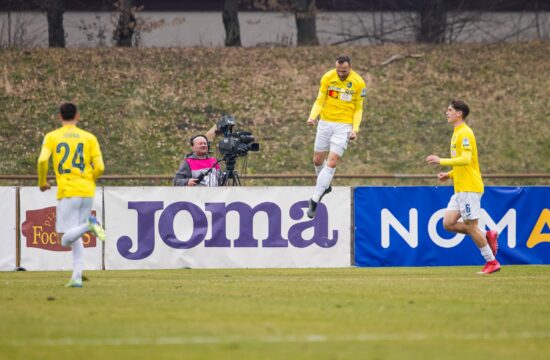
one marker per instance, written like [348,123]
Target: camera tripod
[230,173]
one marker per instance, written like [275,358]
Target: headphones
[198,136]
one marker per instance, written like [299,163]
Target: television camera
[232,145]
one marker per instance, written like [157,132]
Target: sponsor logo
[148,226]
[341,90]
[508,221]
[39,231]
[333,93]
[411,235]
[537,235]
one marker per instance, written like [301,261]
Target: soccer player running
[468,186]
[77,163]
[340,106]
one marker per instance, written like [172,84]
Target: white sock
[323,182]
[74,234]
[487,253]
[318,168]
[78,259]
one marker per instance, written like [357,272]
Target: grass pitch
[381,313]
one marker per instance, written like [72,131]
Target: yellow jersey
[465,174]
[77,161]
[340,101]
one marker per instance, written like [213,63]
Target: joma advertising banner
[234,227]
[40,247]
[402,226]
[7,228]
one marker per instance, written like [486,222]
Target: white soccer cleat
[74,283]
[95,228]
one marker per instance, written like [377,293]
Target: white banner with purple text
[225,227]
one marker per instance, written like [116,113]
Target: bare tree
[18,29]
[377,28]
[231,23]
[438,21]
[6,26]
[432,21]
[126,25]
[306,30]
[95,31]
[305,13]
[54,13]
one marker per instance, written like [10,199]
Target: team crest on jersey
[349,84]
[465,142]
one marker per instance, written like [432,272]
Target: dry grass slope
[144,104]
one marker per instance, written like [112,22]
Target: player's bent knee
[332,160]
[318,158]
[317,162]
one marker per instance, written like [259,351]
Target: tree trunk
[433,21]
[231,23]
[305,13]
[56,32]
[126,26]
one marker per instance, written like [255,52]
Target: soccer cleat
[492,240]
[95,228]
[327,190]
[490,267]
[74,283]
[312,209]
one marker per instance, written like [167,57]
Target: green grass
[381,313]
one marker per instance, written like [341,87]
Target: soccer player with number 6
[468,186]
[78,163]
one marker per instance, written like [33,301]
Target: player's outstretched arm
[433,159]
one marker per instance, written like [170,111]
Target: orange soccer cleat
[490,267]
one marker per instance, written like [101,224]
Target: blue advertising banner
[402,226]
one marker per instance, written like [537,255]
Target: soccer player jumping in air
[78,163]
[340,106]
[468,186]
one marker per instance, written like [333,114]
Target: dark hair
[461,106]
[68,111]
[343,59]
